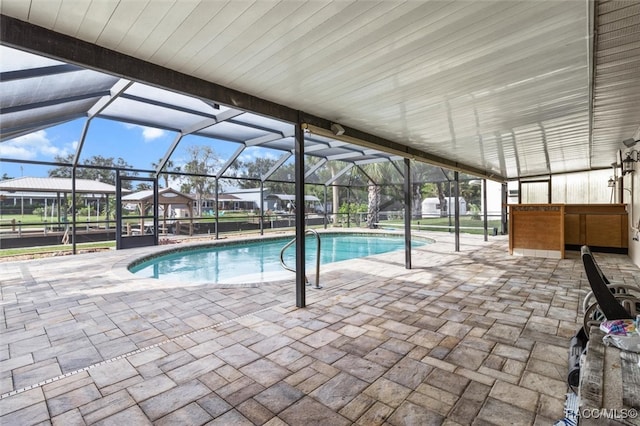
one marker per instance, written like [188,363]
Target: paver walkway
[470,337]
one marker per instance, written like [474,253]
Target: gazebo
[167,198]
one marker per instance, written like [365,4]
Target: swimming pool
[259,261]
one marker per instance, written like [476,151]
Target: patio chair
[612,301]
[609,303]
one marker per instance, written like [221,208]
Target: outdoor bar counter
[546,230]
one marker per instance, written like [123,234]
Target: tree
[143,186]
[256,169]
[377,173]
[102,169]
[259,167]
[165,174]
[202,163]
[5,177]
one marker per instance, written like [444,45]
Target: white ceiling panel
[510,87]
[44,12]
[146,23]
[616,103]
[95,20]
[73,14]
[119,24]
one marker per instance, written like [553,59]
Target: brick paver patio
[471,337]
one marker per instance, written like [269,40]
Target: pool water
[260,261]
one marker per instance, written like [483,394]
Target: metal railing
[290,243]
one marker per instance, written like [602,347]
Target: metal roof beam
[168,154]
[315,167]
[15,132]
[401,171]
[140,123]
[38,72]
[230,161]
[339,174]
[116,91]
[167,105]
[337,144]
[228,114]
[201,125]
[21,34]
[375,160]
[321,126]
[317,147]
[194,128]
[366,175]
[263,139]
[343,156]
[262,128]
[52,102]
[276,166]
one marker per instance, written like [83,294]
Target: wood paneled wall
[536,230]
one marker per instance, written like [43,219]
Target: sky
[137,145]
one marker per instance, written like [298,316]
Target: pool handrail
[284,265]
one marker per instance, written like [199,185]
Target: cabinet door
[573,233]
[605,230]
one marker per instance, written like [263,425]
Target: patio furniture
[608,305]
[612,301]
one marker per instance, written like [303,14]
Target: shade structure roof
[37,184]
[165,196]
[506,89]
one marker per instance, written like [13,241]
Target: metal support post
[73,209]
[261,218]
[407,213]
[457,204]
[484,202]
[299,215]
[217,217]
[505,201]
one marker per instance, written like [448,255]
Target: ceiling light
[628,164]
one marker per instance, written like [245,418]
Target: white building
[431,206]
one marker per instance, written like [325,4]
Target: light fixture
[629,142]
[628,164]
[337,129]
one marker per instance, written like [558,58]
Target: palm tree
[376,173]
[164,175]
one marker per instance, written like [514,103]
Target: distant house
[432,206]
[26,193]
[243,199]
[249,199]
[286,202]
[225,202]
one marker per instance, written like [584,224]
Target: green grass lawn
[55,248]
[442,224]
[423,224]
